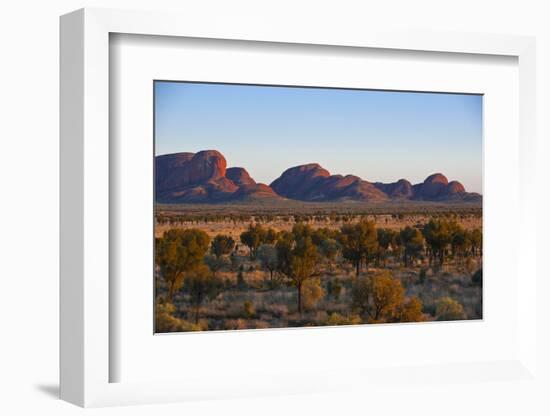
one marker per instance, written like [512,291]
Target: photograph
[301,206]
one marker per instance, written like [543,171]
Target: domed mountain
[203,177]
[437,187]
[239,176]
[311,182]
[400,189]
[455,187]
[248,188]
[299,181]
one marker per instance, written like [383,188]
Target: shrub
[177,252]
[259,324]
[378,296]
[241,284]
[337,319]
[277,310]
[429,308]
[235,324]
[201,286]
[312,293]
[477,277]
[422,275]
[334,288]
[222,245]
[248,308]
[448,309]
[410,311]
[165,321]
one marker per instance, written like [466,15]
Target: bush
[248,308]
[277,310]
[334,288]
[312,292]
[477,277]
[165,321]
[235,324]
[378,296]
[448,309]
[429,308]
[337,319]
[422,275]
[241,284]
[410,311]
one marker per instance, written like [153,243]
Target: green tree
[448,309]
[297,258]
[256,235]
[476,237]
[334,288]
[201,285]
[312,293]
[329,249]
[320,235]
[165,321]
[381,298]
[438,235]
[269,236]
[252,238]
[177,252]
[222,245]
[248,309]
[412,242]
[410,311]
[459,242]
[241,283]
[359,243]
[387,295]
[477,277]
[267,254]
[386,239]
[284,245]
[302,265]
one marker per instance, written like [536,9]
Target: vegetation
[255,236]
[316,269]
[359,243]
[180,251]
[449,310]
[297,258]
[201,285]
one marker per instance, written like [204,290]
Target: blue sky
[377,135]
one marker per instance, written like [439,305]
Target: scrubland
[226,268]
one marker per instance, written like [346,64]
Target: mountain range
[204,177]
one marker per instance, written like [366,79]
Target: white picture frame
[85,212]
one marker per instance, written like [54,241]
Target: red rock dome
[455,187]
[434,186]
[239,176]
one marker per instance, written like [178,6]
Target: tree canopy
[359,243]
[201,285]
[222,245]
[177,252]
[381,298]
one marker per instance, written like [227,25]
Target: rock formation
[204,177]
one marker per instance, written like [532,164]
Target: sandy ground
[234,229]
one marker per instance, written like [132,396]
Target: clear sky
[377,135]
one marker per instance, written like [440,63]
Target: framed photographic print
[278,241]
[288,211]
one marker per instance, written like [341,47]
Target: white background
[29,224]
[137,60]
